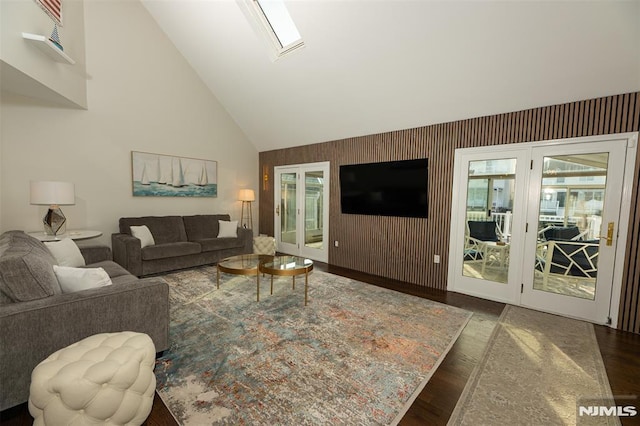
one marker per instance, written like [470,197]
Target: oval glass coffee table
[288,266]
[244,264]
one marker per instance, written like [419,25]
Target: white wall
[142,96]
[28,71]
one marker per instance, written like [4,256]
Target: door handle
[609,236]
[278,210]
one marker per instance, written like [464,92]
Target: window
[276,24]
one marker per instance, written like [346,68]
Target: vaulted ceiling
[374,66]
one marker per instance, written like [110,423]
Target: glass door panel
[571,203]
[489,206]
[288,208]
[314,211]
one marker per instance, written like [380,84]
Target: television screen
[392,188]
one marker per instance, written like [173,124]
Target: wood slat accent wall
[403,248]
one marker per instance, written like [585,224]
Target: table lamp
[54,195]
[247,196]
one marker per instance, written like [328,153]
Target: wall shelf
[48,48]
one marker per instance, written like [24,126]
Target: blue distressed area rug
[357,354]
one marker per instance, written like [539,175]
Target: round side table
[74,234]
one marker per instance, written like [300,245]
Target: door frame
[501,292]
[600,306]
[299,248]
[456,243]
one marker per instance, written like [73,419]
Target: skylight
[277,25]
[280,21]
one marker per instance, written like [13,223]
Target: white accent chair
[578,259]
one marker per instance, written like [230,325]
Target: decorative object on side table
[53,194]
[247,196]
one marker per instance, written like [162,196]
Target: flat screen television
[392,188]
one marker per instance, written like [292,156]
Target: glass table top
[287,263]
[244,261]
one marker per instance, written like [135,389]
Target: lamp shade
[247,195]
[52,193]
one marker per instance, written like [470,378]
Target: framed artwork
[157,175]
[53,8]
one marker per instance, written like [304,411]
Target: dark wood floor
[620,351]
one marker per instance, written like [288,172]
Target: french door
[554,220]
[302,210]
[574,218]
[494,195]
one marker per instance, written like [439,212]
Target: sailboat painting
[158,175]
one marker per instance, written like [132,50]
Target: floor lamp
[54,195]
[247,196]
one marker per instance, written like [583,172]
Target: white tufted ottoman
[103,379]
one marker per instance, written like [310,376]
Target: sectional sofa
[178,242]
[37,318]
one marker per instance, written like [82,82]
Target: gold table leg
[258,287]
[218,277]
[306,287]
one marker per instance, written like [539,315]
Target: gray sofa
[37,319]
[180,242]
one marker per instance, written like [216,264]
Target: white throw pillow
[228,229]
[66,252]
[76,279]
[143,234]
